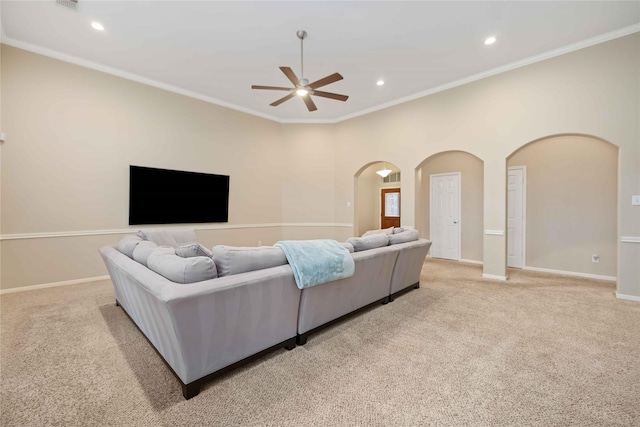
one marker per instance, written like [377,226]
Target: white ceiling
[217,50]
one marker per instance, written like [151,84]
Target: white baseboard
[572,273]
[494,277]
[628,297]
[471,261]
[52,285]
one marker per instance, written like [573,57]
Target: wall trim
[494,232]
[494,277]
[630,239]
[572,273]
[20,236]
[471,261]
[53,285]
[627,297]
[479,76]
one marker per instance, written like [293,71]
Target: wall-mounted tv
[164,196]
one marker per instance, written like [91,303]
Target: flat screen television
[164,196]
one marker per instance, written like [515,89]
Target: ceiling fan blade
[310,104]
[281,100]
[325,81]
[270,87]
[335,96]
[290,75]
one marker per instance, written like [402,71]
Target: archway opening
[568,206]
[454,226]
[370,188]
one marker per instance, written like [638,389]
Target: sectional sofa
[206,312]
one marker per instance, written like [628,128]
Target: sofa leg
[190,390]
[117,303]
[386,301]
[290,344]
[302,339]
[391,298]
[417,286]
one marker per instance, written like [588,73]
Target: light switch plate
[635,200]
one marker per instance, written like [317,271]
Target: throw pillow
[371,241]
[159,237]
[165,262]
[397,230]
[193,249]
[385,231]
[127,244]
[235,260]
[348,246]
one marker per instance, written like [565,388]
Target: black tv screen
[164,196]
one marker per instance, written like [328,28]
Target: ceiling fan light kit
[302,87]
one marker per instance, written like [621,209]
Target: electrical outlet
[595,258]
[259,242]
[635,200]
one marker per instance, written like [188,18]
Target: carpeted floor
[537,350]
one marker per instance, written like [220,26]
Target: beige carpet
[537,350]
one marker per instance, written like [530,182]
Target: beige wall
[471,209]
[571,203]
[593,91]
[73,132]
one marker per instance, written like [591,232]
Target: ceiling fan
[303,88]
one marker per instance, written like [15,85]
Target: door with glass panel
[390,208]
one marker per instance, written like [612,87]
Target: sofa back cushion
[165,262]
[408,235]
[375,240]
[143,250]
[385,231]
[235,260]
[127,245]
[348,246]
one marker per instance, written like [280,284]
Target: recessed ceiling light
[97,26]
[380,82]
[490,40]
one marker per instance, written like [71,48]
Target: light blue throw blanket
[317,261]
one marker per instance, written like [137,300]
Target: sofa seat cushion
[385,231]
[372,241]
[128,244]
[165,262]
[408,235]
[235,260]
[143,250]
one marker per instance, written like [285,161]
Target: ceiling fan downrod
[302,34]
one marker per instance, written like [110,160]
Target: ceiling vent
[68,4]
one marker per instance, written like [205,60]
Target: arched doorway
[371,190]
[441,168]
[570,205]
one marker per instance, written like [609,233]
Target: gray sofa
[209,327]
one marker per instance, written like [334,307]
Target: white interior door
[445,215]
[515,216]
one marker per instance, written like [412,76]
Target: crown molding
[625,31]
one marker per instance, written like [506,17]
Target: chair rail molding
[44,235]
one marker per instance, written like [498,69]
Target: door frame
[524,211]
[459,174]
